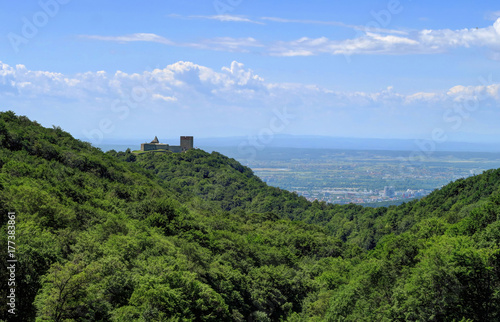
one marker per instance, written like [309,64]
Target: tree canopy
[196,236]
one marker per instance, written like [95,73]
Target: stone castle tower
[186,144]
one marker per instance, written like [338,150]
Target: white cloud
[226,44]
[164,98]
[190,84]
[336,23]
[422,42]
[243,76]
[372,43]
[293,53]
[146,37]
[220,43]
[226,18]
[209,99]
[445,39]
[386,42]
[478,92]
[181,81]
[422,97]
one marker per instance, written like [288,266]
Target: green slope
[197,237]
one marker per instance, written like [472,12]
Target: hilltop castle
[186,144]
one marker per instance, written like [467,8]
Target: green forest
[196,236]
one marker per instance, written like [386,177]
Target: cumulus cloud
[210,98]
[187,83]
[422,97]
[478,92]
[422,42]
[164,98]
[20,80]
[181,79]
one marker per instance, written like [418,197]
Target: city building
[389,191]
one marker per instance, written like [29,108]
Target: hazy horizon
[246,146]
[370,69]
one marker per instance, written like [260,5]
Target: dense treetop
[196,236]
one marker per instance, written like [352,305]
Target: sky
[130,70]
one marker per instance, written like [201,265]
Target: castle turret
[186,143]
[155,145]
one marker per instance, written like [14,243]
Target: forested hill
[197,237]
[222,185]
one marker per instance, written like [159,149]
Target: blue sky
[106,70]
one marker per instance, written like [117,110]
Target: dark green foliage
[197,237]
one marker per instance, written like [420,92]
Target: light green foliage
[197,237]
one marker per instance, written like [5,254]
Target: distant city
[366,177]
[357,196]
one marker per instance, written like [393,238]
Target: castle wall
[186,144]
[175,148]
[153,146]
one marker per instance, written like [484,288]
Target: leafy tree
[197,236]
